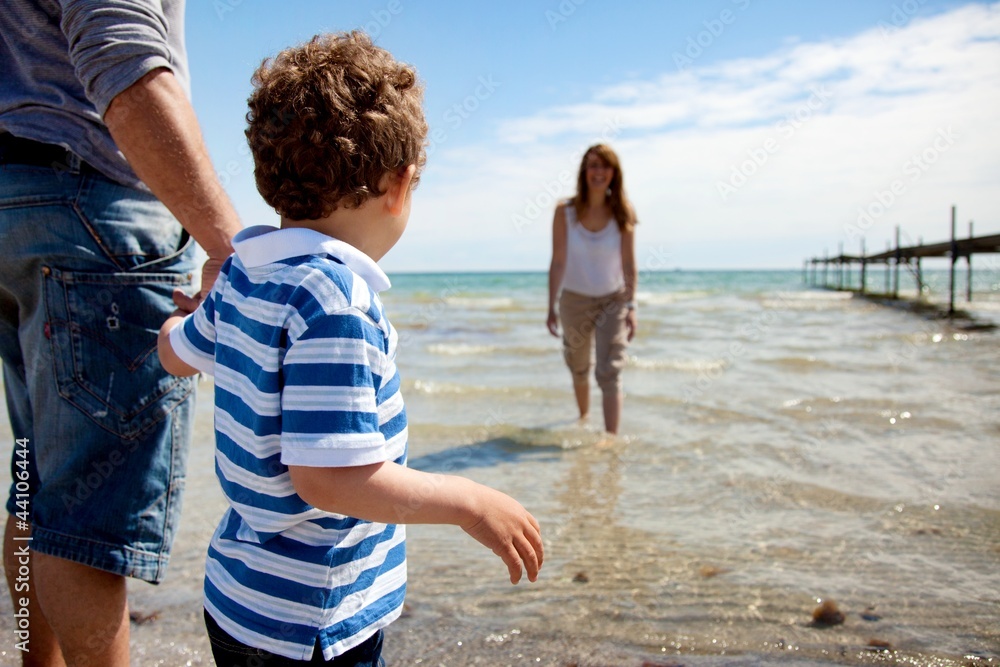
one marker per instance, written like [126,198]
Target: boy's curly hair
[328,119]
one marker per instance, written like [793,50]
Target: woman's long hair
[621,208]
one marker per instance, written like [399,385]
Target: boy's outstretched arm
[391,493]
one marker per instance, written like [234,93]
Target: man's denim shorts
[87,271]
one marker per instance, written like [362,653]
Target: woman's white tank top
[593,259]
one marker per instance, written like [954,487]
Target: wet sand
[506,626]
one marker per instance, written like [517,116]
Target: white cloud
[804,137]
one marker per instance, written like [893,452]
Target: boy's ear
[398,188]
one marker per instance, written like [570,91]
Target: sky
[753,134]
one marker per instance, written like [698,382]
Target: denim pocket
[102,328]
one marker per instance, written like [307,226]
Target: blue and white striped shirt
[305,374]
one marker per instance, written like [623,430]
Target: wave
[806,300]
[683,365]
[435,388]
[432,388]
[644,298]
[460,349]
[463,349]
[491,302]
[808,363]
[414,325]
[427,307]
[843,413]
[810,295]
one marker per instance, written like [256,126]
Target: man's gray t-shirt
[63,61]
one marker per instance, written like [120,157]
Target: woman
[593,265]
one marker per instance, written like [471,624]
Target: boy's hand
[510,531]
[376,492]
[209,273]
[185,304]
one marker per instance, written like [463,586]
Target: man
[99,145]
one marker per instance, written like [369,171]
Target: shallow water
[779,446]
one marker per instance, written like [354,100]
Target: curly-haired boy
[308,563]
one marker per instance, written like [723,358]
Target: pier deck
[895,258]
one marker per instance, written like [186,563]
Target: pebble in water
[709,571]
[827,614]
[141,618]
[870,615]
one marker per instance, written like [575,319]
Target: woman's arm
[631,279]
[557,268]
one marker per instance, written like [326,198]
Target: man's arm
[154,125]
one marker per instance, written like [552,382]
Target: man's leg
[87,610]
[42,647]
[69,605]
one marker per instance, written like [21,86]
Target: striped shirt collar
[263,244]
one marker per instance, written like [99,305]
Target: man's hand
[209,272]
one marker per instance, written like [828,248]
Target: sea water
[780,446]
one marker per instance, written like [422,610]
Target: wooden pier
[894,258]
